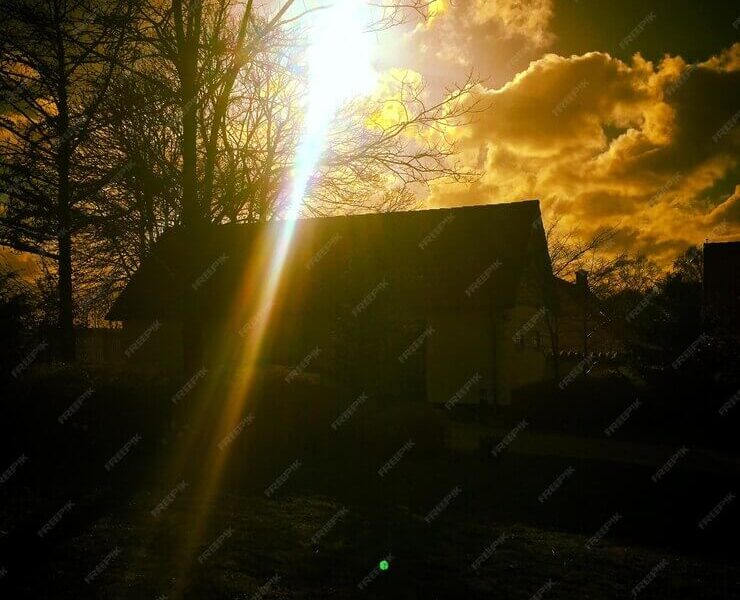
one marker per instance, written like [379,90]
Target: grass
[273,537]
[158,557]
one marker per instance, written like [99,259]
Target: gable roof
[420,258]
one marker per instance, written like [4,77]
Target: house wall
[521,344]
[459,355]
[466,356]
[152,344]
[521,339]
[99,347]
[363,352]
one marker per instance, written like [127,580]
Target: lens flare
[339,59]
[340,67]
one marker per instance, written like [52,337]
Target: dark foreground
[303,545]
[539,520]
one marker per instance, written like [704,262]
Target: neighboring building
[423,304]
[722,288]
[97,346]
[584,326]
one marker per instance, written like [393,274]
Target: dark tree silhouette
[53,82]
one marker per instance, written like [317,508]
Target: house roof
[442,257]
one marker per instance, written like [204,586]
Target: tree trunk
[192,215]
[64,239]
[64,235]
[190,205]
[64,202]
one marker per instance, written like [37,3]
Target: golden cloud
[651,149]
[468,33]
[530,20]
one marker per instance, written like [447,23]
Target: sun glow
[339,59]
[340,67]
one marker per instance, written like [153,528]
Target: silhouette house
[429,304]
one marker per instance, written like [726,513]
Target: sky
[620,115]
[612,114]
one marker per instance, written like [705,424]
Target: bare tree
[216,94]
[374,162]
[184,112]
[53,81]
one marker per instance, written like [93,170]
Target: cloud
[651,149]
[723,218]
[493,37]
[507,18]
[530,20]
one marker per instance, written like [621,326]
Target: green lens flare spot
[384,565]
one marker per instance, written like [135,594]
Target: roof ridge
[440,209]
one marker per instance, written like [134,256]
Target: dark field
[332,518]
